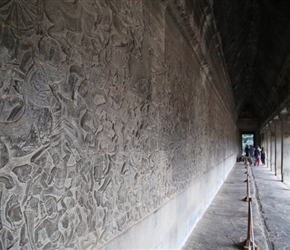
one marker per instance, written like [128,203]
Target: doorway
[247,139]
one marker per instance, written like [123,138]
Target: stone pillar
[272,146]
[285,117]
[267,144]
[262,134]
[263,139]
[278,147]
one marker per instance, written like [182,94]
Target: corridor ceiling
[255,37]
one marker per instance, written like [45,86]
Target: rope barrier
[247,181]
[250,241]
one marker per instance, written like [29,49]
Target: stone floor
[224,224]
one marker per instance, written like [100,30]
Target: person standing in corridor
[263,156]
[257,156]
[252,154]
[247,150]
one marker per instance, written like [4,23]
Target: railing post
[249,243]
[247,180]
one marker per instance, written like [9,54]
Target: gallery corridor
[121,120]
[224,224]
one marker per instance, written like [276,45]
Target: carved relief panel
[99,120]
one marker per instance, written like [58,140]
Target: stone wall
[110,110]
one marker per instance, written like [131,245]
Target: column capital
[284,115]
[263,130]
[271,125]
[277,121]
[267,128]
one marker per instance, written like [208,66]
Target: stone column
[285,117]
[278,147]
[263,139]
[262,134]
[267,144]
[272,142]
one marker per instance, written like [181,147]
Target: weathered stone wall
[109,111]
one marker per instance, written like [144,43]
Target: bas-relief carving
[91,139]
[78,136]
